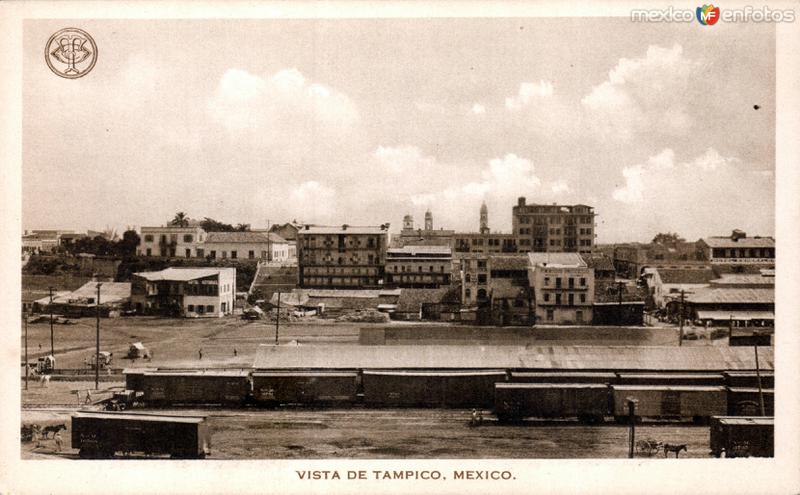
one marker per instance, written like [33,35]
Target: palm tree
[180,220]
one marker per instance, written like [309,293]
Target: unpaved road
[395,434]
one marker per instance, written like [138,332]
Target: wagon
[745,401]
[563,377]
[749,379]
[691,379]
[671,402]
[589,402]
[305,387]
[742,436]
[431,388]
[102,435]
[137,350]
[221,387]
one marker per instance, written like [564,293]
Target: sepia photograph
[365,236]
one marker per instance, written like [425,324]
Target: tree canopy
[667,238]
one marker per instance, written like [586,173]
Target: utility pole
[730,330]
[50,306]
[27,368]
[620,286]
[680,334]
[269,243]
[278,318]
[632,433]
[758,377]
[97,344]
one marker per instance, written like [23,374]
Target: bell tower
[408,222]
[428,220]
[484,219]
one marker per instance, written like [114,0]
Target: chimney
[738,234]
[521,201]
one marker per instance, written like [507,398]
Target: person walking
[88,397]
[59,441]
[234,352]
[200,353]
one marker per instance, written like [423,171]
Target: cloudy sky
[363,121]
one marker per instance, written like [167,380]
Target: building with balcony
[342,257]
[553,228]
[171,242]
[739,250]
[191,292]
[419,266]
[563,288]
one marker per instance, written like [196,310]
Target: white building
[262,246]
[202,292]
[563,288]
[171,242]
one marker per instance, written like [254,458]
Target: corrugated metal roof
[182,274]
[516,262]
[437,373]
[746,242]
[243,238]
[732,295]
[110,293]
[701,276]
[695,358]
[744,279]
[556,259]
[140,417]
[736,315]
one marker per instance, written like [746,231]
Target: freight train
[589,396]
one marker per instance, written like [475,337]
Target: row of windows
[341,241]
[417,278]
[340,260]
[570,298]
[570,281]
[171,238]
[744,253]
[555,219]
[354,281]
[481,278]
[278,254]
[200,308]
[404,268]
[339,271]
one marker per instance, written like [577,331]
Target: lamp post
[97,343]
[277,318]
[632,433]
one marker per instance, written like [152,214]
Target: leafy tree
[180,220]
[127,245]
[667,238]
[211,225]
[242,227]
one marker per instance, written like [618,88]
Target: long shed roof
[696,358]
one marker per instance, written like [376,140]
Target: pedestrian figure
[40,346]
[88,397]
[36,433]
[58,440]
[234,352]
[474,419]
[78,396]
[200,353]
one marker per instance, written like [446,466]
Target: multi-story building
[262,246]
[203,292]
[342,257]
[563,288]
[630,260]
[42,241]
[738,249]
[419,266]
[422,237]
[484,241]
[171,242]
[553,228]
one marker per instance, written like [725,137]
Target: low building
[665,284]
[42,241]
[286,231]
[83,301]
[171,242]
[261,246]
[342,257]
[563,287]
[419,266]
[724,306]
[630,260]
[738,249]
[602,265]
[618,303]
[440,304]
[194,292]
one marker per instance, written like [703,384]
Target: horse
[674,448]
[53,428]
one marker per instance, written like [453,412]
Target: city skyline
[323,122]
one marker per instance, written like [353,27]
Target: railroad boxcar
[589,402]
[742,436]
[305,387]
[671,402]
[133,377]
[745,401]
[749,379]
[691,379]
[195,387]
[101,435]
[562,377]
[437,388]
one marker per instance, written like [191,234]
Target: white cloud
[478,109]
[527,92]
[404,160]
[642,95]
[559,186]
[316,201]
[282,104]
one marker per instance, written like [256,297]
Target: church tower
[408,222]
[484,219]
[428,220]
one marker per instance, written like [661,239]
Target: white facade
[172,242]
[192,292]
[563,288]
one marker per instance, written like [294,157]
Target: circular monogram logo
[71,53]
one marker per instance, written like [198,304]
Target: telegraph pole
[620,285]
[27,368]
[632,433]
[52,341]
[97,344]
[277,318]
[680,334]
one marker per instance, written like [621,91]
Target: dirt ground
[177,342]
[393,434]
